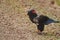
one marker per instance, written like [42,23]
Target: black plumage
[40,27]
[40,20]
[32,15]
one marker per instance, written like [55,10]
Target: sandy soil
[15,24]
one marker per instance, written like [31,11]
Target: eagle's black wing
[49,21]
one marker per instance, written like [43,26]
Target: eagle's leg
[40,28]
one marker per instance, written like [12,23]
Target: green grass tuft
[58,2]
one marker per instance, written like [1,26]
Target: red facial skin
[33,11]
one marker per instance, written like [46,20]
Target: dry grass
[15,24]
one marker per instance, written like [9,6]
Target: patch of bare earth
[15,24]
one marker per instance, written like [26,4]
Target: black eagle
[40,20]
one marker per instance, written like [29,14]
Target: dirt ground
[15,23]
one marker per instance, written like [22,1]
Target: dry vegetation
[15,24]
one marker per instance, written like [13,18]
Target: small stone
[52,2]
